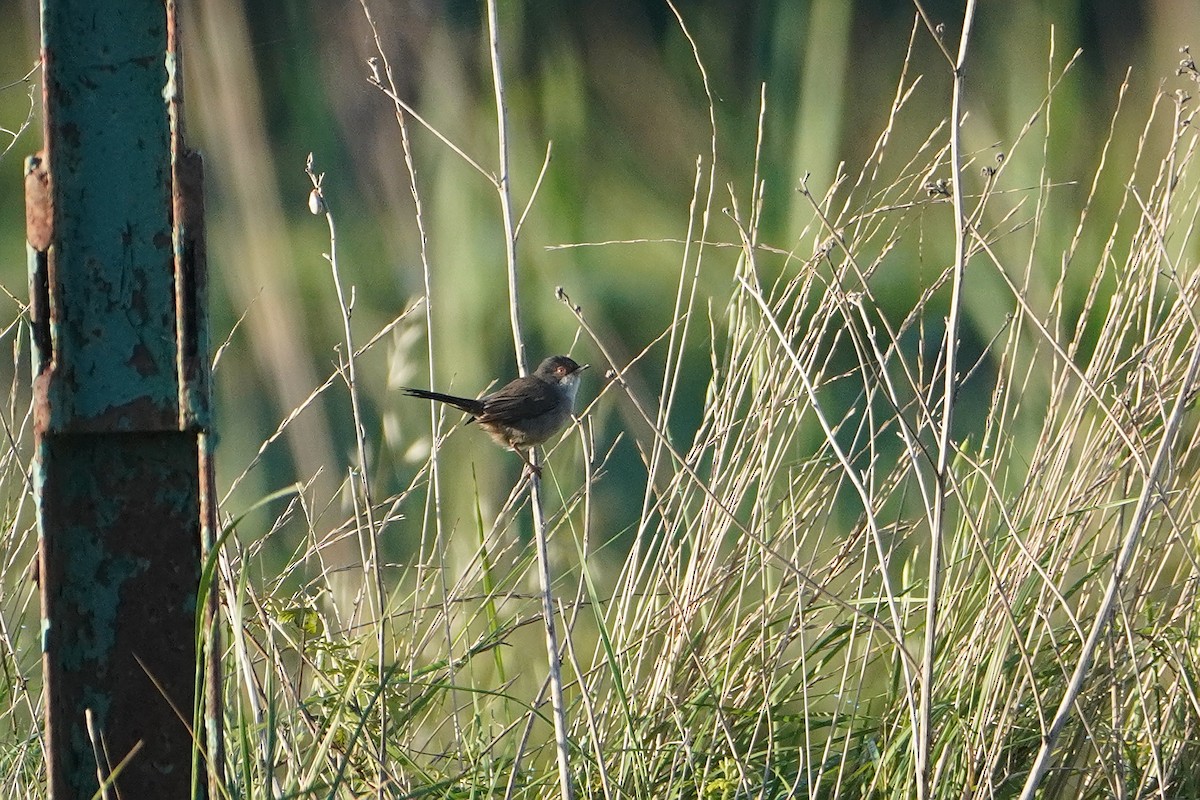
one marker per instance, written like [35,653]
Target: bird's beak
[582,367]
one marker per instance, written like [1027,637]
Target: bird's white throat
[571,384]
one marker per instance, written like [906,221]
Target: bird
[524,412]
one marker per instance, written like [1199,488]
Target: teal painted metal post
[123,473]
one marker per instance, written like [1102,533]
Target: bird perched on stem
[525,412]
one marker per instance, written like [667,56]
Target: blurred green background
[615,87]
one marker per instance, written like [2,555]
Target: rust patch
[139,415]
[41,402]
[39,212]
[143,361]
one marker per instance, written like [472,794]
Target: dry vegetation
[762,629]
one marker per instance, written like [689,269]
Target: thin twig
[618,378]
[924,736]
[319,204]
[1152,492]
[536,188]
[935,30]
[395,98]
[504,186]
[436,410]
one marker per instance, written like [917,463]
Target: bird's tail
[470,405]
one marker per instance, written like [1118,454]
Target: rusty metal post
[123,473]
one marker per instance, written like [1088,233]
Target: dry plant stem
[924,735]
[856,481]
[933,31]
[555,665]
[304,404]
[667,394]
[407,109]
[436,411]
[699,213]
[15,134]
[99,751]
[231,584]
[1152,492]
[537,185]
[679,333]
[818,589]
[364,483]
[504,187]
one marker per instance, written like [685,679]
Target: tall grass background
[758,255]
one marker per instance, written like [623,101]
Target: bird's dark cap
[554,363]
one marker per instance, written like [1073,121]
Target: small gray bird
[525,412]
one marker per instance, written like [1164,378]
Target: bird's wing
[524,398]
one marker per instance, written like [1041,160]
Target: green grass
[741,573]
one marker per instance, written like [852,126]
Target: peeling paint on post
[123,473]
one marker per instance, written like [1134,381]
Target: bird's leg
[532,468]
